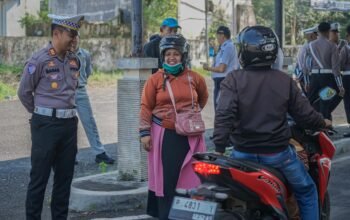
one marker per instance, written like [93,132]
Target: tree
[155,11]
[298,15]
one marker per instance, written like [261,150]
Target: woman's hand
[146,143]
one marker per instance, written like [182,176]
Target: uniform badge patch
[52,52]
[54,85]
[73,63]
[31,68]
[51,64]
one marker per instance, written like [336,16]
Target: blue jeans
[298,178]
[88,121]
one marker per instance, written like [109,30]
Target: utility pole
[279,20]
[206,32]
[136,26]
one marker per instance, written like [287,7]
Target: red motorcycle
[235,189]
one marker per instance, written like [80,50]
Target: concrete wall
[11,11]
[105,51]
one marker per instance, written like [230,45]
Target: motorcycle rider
[252,115]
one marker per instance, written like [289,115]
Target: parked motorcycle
[235,189]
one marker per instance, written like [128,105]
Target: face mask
[173,69]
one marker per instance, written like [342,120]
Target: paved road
[15,151]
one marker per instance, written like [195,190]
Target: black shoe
[103,157]
[346,135]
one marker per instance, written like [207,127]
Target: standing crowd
[252,98]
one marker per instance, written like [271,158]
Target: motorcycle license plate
[191,209]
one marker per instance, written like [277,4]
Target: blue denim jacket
[85,66]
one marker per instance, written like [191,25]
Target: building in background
[10,13]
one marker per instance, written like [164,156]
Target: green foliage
[298,16]
[99,78]
[201,71]
[218,19]
[9,69]
[6,91]
[155,11]
[103,167]
[28,21]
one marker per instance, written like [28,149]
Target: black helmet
[257,46]
[176,41]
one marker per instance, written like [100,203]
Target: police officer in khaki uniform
[324,69]
[345,67]
[47,90]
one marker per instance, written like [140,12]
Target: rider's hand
[146,143]
[341,91]
[328,123]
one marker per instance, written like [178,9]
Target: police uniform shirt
[345,58]
[47,81]
[228,56]
[327,53]
[85,66]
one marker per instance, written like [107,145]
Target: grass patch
[201,71]
[6,91]
[99,78]
[10,69]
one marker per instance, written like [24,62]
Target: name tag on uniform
[52,70]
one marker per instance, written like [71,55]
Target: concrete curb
[82,200]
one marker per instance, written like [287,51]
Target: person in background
[47,90]
[83,105]
[345,67]
[225,60]
[170,154]
[334,36]
[151,49]
[252,114]
[303,78]
[325,70]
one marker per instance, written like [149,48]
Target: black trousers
[318,82]
[174,150]
[346,84]
[54,146]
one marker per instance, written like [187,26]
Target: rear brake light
[206,168]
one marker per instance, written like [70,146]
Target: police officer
[303,78]
[325,70]
[334,36]
[47,90]
[345,67]
[225,61]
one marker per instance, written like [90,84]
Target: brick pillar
[132,159]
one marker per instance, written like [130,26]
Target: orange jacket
[156,99]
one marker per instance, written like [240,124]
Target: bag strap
[314,56]
[172,94]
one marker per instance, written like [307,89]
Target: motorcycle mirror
[327,93]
